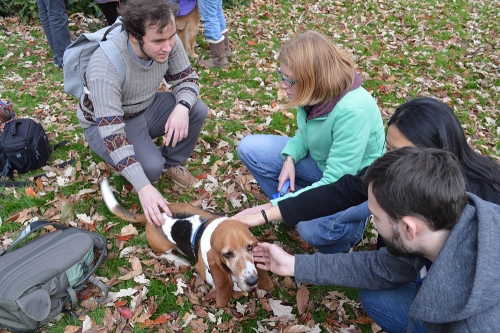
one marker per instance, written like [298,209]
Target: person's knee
[199,112]
[306,234]
[366,297]
[244,147]
[153,169]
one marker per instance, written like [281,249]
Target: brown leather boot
[227,50]
[226,45]
[217,56]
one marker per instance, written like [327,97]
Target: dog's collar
[195,239]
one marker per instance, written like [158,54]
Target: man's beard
[396,247]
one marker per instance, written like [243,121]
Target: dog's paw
[177,261]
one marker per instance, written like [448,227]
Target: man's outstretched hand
[273,258]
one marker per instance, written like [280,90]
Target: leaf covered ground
[446,49]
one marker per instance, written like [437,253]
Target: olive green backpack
[39,278]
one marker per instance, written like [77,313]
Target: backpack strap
[59,145]
[31,228]
[111,51]
[90,274]
[6,171]
[9,173]
[101,286]
[73,297]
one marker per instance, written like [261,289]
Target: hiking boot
[181,176]
[217,56]
[226,47]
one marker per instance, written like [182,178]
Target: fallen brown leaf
[302,298]
[125,312]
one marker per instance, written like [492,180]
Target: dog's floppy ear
[222,279]
[265,282]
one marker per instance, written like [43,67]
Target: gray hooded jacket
[461,292]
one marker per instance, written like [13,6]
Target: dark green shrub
[235,3]
[26,9]
[23,9]
[87,7]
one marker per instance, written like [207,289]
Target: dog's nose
[252,280]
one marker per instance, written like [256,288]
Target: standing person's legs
[221,18]
[261,155]
[59,29]
[389,308]
[209,13]
[336,233]
[43,13]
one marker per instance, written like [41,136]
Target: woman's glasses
[288,82]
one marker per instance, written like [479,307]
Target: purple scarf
[317,110]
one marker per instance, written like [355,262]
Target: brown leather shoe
[181,176]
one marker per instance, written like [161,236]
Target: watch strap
[186,104]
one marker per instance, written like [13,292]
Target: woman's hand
[253,210]
[251,220]
[287,172]
[273,258]
[257,218]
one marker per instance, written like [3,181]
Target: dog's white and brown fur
[222,248]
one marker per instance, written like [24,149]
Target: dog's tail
[115,208]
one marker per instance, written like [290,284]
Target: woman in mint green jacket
[340,128]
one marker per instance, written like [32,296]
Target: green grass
[403,48]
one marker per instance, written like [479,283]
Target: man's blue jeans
[55,25]
[336,233]
[261,155]
[213,20]
[389,308]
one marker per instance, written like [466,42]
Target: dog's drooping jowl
[221,248]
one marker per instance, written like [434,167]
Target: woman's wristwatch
[290,158]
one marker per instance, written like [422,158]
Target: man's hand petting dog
[273,258]
[153,204]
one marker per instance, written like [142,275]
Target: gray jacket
[461,292]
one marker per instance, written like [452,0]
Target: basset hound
[222,248]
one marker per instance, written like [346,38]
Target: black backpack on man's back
[24,146]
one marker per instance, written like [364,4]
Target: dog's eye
[228,255]
[250,248]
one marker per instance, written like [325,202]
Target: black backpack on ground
[24,146]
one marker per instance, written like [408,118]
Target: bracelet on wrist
[263,212]
[290,158]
